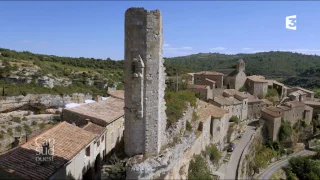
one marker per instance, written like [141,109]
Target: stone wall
[144,82]
[273,124]
[12,103]
[254,110]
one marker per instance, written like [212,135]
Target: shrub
[194,116]
[1,136]
[188,126]
[9,130]
[42,125]
[16,119]
[176,103]
[213,153]
[18,128]
[272,93]
[285,131]
[34,123]
[198,169]
[27,128]
[235,119]
[243,89]
[24,119]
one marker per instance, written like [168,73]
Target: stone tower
[241,65]
[144,82]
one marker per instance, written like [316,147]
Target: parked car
[231,147]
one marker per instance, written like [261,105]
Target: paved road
[229,169]
[272,169]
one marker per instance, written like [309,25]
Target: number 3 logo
[291,22]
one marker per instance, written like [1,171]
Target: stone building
[272,119]
[309,94]
[211,78]
[296,112]
[237,78]
[281,88]
[255,105]
[60,152]
[204,92]
[144,82]
[298,96]
[214,123]
[291,111]
[107,114]
[257,86]
[235,102]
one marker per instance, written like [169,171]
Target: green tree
[198,169]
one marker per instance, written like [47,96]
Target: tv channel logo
[291,22]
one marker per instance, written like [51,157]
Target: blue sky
[96,29]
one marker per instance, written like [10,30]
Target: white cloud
[247,49]
[170,51]
[217,49]
[166,45]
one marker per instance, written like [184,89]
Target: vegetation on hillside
[198,169]
[304,168]
[286,63]
[176,103]
[14,89]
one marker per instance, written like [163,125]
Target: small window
[245,102]
[102,138]
[98,143]
[258,105]
[88,151]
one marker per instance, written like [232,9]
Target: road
[229,169]
[272,169]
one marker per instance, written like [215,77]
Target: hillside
[26,72]
[266,63]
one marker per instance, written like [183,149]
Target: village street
[229,169]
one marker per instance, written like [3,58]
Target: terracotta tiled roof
[117,94]
[69,140]
[94,128]
[256,78]
[308,108]
[251,98]
[305,90]
[271,113]
[230,92]
[107,110]
[226,100]
[206,110]
[297,93]
[294,104]
[196,86]
[225,71]
[209,73]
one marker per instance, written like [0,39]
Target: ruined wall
[254,110]
[144,82]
